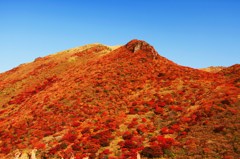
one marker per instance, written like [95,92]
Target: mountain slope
[213,69]
[101,102]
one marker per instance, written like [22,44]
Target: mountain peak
[136,45]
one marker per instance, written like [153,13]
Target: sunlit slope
[98,102]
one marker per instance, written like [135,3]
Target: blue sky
[195,33]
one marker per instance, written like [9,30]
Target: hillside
[103,102]
[213,69]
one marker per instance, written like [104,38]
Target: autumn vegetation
[99,102]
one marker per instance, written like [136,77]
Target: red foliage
[161,104]
[76,147]
[158,110]
[70,137]
[133,124]
[127,135]
[144,120]
[5,149]
[176,127]
[166,130]
[55,149]
[75,124]
[85,130]
[176,108]
[152,151]
[103,137]
[129,144]
[93,94]
[40,145]
[165,143]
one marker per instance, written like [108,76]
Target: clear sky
[195,33]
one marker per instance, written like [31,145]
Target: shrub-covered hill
[102,102]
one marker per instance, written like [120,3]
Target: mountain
[213,69]
[103,102]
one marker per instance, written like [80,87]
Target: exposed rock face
[136,45]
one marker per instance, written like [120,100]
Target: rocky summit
[123,102]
